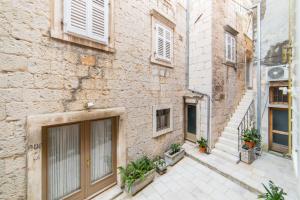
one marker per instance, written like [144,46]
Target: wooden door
[79,159]
[191,122]
[278,136]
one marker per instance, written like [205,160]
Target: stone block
[88,60]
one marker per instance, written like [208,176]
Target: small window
[277,95]
[163,43]
[87,19]
[230,48]
[162,120]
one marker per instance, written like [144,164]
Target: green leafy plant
[175,148]
[135,170]
[159,162]
[202,142]
[251,135]
[273,192]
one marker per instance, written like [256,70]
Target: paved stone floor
[190,180]
[266,167]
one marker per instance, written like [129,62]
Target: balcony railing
[247,122]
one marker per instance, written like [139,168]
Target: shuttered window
[230,48]
[163,42]
[87,18]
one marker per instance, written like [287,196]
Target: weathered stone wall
[228,82]
[39,74]
[274,38]
[200,54]
[207,71]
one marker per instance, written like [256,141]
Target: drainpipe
[258,69]
[187,43]
[208,116]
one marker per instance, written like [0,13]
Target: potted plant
[202,144]
[138,174]
[174,154]
[160,165]
[247,154]
[250,137]
[273,192]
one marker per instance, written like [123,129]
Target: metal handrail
[245,123]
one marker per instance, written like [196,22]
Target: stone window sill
[81,41]
[163,63]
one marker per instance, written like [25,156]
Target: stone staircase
[227,145]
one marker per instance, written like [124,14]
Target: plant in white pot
[174,154]
[160,164]
[137,175]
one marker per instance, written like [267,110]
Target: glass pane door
[191,118]
[101,149]
[63,152]
[102,155]
[279,130]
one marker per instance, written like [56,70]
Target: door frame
[93,189]
[277,147]
[189,136]
[86,190]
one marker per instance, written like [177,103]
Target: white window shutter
[168,43]
[87,18]
[75,16]
[233,50]
[160,41]
[230,48]
[226,47]
[99,20]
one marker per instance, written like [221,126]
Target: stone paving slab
[265,168]
[189,180]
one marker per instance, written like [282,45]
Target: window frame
[272,94]
[165,29]
[230,46]
[57,29]
[160,132]
[88,34]
[169,24]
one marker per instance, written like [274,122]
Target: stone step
[229,142]
[230,136]
[226,156]
[218,155]
[231,130]
[233,124]
[227,149]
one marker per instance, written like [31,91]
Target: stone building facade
[224,82]
[47,77]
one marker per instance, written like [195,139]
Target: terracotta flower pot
[202,149]
[250,145]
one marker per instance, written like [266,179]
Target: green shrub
[175,148]
[135,170]
[273,192]
[202,142]
[251,135]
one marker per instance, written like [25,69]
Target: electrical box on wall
[278,73]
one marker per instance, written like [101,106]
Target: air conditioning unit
[278,73]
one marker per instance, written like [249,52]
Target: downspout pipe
[208,115]
[187,42]
[259,68]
